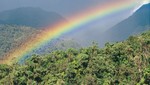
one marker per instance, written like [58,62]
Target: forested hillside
[11,36]
[123,63]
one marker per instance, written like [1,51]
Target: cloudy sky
[61,6]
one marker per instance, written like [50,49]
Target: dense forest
[120,63]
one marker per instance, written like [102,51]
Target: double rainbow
[61,28]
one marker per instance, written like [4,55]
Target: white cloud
[145,1]
[140,3]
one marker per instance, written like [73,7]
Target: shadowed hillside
[29,16]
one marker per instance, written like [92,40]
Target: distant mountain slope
[136,23]
[29,16]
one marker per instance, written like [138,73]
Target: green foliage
[122,63]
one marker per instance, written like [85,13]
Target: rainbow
[61,28]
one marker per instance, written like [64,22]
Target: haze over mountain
[136,23]
[30,16]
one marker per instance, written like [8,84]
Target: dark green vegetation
[30,16]
[11,36]
[122,63]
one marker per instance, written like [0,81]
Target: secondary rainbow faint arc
[60,28]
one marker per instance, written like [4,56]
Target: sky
[59,6]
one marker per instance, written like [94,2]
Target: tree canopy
[121,63]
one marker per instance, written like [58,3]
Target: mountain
[136,23]
[29,16]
